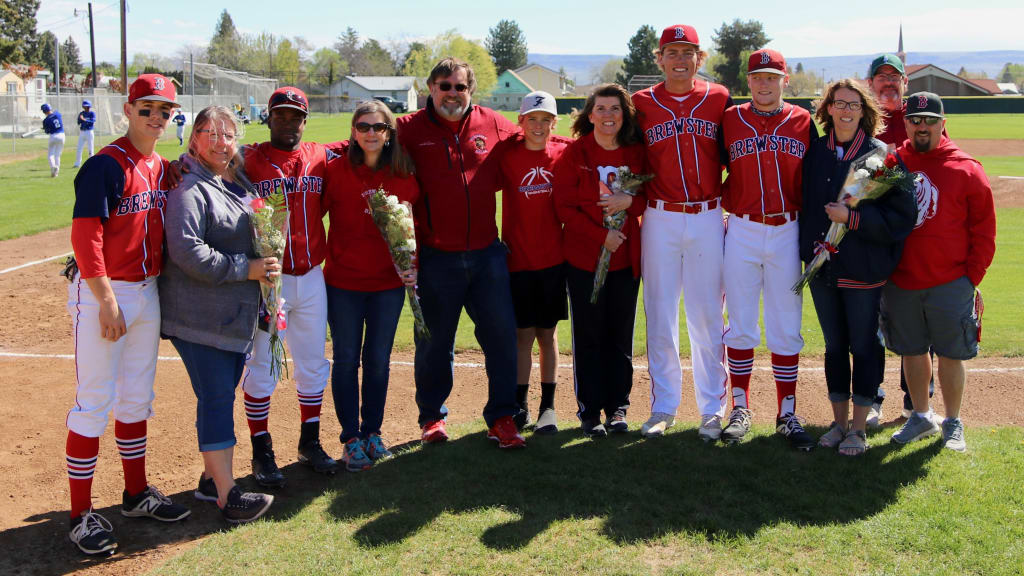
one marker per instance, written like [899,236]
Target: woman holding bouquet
[848,288]
[210,297]
[608,138]
[364,290]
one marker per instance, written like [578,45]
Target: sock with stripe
[785,370]
[81,453]
[309,406]
[131,444]
[741,364]
[257,412]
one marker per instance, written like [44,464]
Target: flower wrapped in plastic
[393,218]
[627,183]
[270,234]
[870,176]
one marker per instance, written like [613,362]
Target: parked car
[393,104]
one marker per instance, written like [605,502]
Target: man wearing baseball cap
[117,237]
[288,165]
[932,300]
[683,232]
[766,140]
[53,124]
[86,122]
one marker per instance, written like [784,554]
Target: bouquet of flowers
[870,177]
[625,182]
[270,234]
[394,220]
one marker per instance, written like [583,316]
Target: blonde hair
[225,118]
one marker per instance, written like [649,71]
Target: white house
[354,89]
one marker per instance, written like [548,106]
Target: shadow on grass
[642,488]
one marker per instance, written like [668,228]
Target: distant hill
[581,66]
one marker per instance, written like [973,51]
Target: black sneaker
[264,467]
[616,423]
[243,507]
[93,534]
[594,429]
[312,454]
[738,426]
[151,503]
[207,490]
[522,418]
[790,427]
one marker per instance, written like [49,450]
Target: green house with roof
[508,92]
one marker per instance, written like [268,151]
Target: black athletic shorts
[539,297]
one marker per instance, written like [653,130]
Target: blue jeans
[214,374]
[849,323]
[477,280]
[348,311]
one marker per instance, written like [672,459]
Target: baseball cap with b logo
[289,97]
[765,60]
[538,101]
[924,104]
[679,33]
[152,87]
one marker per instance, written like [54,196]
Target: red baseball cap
[288,97]
[679,33]
[152,87]
[765,60]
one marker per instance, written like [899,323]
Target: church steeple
[899,51]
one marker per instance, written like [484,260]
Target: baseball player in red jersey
[117,236]
[766,140]
[296,168]
[531,230]
[683,231]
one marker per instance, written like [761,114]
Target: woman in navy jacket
[847,289]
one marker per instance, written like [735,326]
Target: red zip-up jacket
[457,174]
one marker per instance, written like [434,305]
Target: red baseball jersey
[683,134]
[118,225]
[765,159]
[357,255]
[529,224]
[300,175]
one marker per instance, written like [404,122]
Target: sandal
[854,444]
[833,437]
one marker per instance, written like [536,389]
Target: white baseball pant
[305,308]
[683,253]
[54,149]
[760,257]
[85,138]
[116,375]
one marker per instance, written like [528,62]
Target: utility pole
[124,49]
[92,48]
[56,63]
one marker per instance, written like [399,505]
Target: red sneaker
[434,432]
[506,433]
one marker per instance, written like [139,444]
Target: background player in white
[53,125]
[179,126]
[86,123]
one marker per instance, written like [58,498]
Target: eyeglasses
[379,127]
[888,77]
[146,112]
[929,120]
[214,136]
[843,105]
[446,86]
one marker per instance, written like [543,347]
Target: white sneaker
[875,416]
[710,428]
[657,424]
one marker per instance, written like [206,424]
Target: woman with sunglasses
[210,296]
[608,137]
[848,288]
[364,291]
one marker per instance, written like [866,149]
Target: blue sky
[596,27]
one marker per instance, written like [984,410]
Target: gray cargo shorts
[941,317]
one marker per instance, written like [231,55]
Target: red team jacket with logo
[576,195]
[955,233]
[684,141]
[529,225]
[118,225]
[300,175]
[458,176]
[765,155]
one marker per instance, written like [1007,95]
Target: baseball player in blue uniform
[86,123]
[53,125]
[179,123]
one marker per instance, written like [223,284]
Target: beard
[452,110]
[922,143]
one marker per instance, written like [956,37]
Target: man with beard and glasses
[462,262]
[931,301]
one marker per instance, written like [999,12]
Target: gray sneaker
[739,425]
[915,428]
[874,416]
[953,434]
[710,428]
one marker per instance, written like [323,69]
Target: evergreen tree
[732,40]
[374,60]
[226,47]
[18,37]
[506,44]
[640,60]
[70,60]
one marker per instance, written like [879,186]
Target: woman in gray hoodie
[210,296]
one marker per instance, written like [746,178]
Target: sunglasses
[929,120]
[379,127]
[446,86]
[146,112]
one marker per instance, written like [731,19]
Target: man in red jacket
[932,299]
[462,262]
